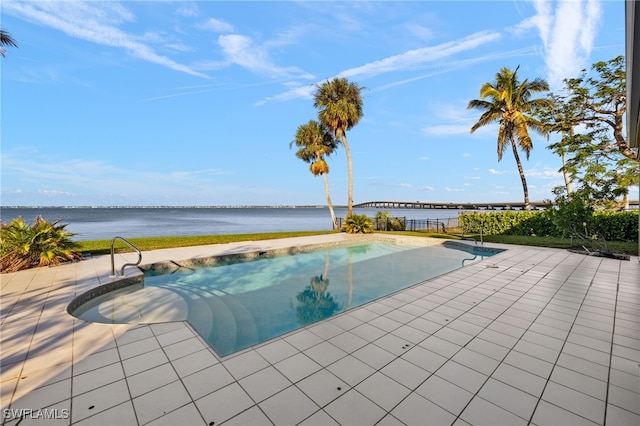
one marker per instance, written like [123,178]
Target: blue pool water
[238,304]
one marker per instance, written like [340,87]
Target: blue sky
[196,102]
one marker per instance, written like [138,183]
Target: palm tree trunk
[527,206]
[326,191]
[350,175]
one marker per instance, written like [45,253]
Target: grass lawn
[154,243]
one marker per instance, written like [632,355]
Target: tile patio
[529,336]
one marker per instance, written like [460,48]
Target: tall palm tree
[6,40]
[340,104]
[510,105]
[315,143]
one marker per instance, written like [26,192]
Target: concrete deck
[529,336]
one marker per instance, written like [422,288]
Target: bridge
[516,205]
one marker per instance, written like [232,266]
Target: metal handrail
[113,267]
[472,226]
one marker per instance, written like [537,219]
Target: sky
[195,103]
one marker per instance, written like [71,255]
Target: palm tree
[340,104]
[6,40]
[315,143]
[509,105]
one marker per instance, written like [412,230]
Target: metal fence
[404,224]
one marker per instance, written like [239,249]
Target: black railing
[404,224]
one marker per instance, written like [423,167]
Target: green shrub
[42,244]
[561,221]
[357,224]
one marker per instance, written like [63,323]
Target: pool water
[238,304]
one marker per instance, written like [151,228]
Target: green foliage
[357,224]
[42,244]
[384,222]
[565,220]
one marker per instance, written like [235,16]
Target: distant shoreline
[175,207]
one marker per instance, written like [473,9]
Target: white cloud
[448,189]
[216,25]
[242,51]
[568,30]
[415,59]
[427,188]
[497,172]
[466,154]
[96,22]
[545,173]
[420,31]
[424,158]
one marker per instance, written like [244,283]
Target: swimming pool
[239,303]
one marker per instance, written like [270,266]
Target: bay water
[101,223]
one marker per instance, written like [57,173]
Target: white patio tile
[160,401]
[325,330]
[440,346]
[206,381]
[183,348]
[98,400]
[580,382]
[528,363]
[619,416]
[97,360]
[348,342]
[382,390]
[97,378]
[415,410]
[303,339]
[288,407]
[368,332]
[351,370]
[134,335]
[574,401]
[41,397]
[405,373]
[297,367]
[447,395]
[325,353]
[253,416]
[224,404]
[151,379]
[138,347]
[480,412]
[509,398]
[264,383]
[245,364]
[194,362]
[462,376]
[353,408]
[481,363]
[276,351]
[323,387]
[122,414]
[374,356]
[144,362]
[547,414]
[624,398]
[319,418]
[186,415]
[520,379]
[423,358]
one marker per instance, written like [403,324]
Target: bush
[561,221]
[357,224]
[384,222]
[42,244]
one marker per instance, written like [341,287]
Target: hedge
[610,225]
